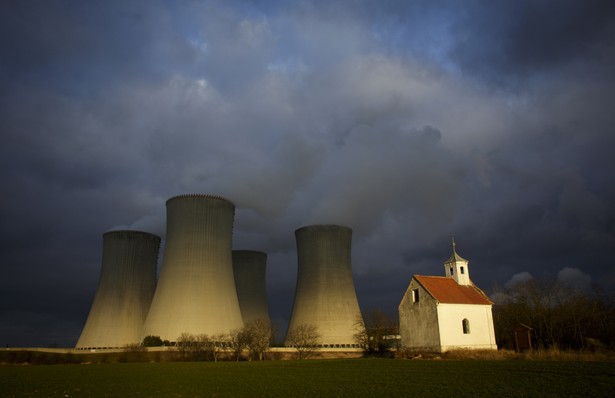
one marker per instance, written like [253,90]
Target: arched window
[465,324]
[451,269]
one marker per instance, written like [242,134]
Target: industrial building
[325,294]
[125,290]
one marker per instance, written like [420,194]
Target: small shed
[523,337]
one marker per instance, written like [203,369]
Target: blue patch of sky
[423,38]
[183,21]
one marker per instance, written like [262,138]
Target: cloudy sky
[407,121]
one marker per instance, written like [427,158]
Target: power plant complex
[205,287]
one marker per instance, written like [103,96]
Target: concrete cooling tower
[196,289]
[249,268]
[125,290]
[325,295]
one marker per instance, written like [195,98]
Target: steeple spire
[456,266]
[455,256]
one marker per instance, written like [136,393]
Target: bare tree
[238,340]
[185,344]
[305,338]
[217,344]
[373,331]
[196,347]
[202,349]
[259,335]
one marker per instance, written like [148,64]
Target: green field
[313,378]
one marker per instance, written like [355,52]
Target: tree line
[560,316]
[254,339]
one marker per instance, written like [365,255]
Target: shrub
[152,341]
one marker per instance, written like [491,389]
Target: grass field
[313,378]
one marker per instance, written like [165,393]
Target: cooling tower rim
[323,227]
[130,232]
[199,195]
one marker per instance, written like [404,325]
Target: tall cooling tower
[249,268]
[196,290]
[325,295]
[125,290]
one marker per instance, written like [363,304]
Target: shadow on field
[34,357]
[505,355]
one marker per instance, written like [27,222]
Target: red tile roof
[446,290]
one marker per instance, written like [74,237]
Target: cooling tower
[325,294]
[125,290]
[196,290]
[249,269]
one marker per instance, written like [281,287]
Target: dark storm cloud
[407,121]
[79,47]
[519,39]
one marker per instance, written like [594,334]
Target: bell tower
[456,267]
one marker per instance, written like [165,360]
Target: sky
[407,121]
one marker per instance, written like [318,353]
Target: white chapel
[442,313]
